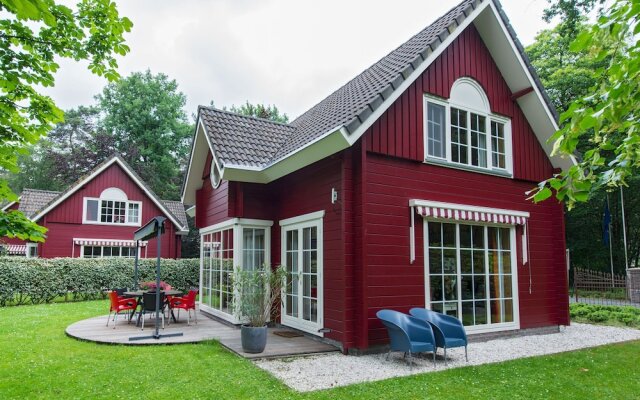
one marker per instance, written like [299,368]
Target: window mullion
[458,272]
[486,272]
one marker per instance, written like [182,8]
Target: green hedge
[606,315]
[42,280]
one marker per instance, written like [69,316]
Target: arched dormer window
[462,132]
[112,208]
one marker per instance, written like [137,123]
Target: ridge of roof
[231,113]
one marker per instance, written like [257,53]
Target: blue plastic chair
[449,331]
[408,334]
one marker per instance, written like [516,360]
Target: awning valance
[108,242]
[463,212]
[499,217]
[16,249]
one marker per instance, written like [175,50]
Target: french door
[471,274]
[302,257]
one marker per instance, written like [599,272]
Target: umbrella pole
[135,268]
[159,242]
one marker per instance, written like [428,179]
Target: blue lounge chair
[449,331]
[408,334]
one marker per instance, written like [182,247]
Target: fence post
[575,283]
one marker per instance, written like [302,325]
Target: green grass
[37,360]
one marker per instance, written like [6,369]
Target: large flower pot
[254,339]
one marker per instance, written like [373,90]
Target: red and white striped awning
[500,217]
[463,212]
[108,242]
[16,249]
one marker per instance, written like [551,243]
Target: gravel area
[327,371]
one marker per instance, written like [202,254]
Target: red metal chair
[119,304]
[187,302]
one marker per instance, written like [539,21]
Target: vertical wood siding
[65,221]
[400,130]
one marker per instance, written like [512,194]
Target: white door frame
[298,223]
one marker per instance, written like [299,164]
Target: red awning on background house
[108,242]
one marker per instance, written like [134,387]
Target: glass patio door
[302,256]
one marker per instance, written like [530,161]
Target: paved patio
[95,330]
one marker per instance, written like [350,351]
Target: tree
[270,112]
[144,113]
[571,13]
[608,117]
[566,75]
[33,33]
[72,149]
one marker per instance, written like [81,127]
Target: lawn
[39,361]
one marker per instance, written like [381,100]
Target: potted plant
[257,292]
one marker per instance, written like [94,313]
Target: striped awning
[108,242]
[499,217]
[16,249]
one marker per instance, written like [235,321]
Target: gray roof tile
[33,200]
[177,209]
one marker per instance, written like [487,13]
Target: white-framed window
[112,208]
[107,251]
[302,256]
[32,250]
[471,273]
[462,132]
[238,242]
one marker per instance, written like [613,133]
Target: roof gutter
[326,145]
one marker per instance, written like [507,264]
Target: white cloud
[283,52]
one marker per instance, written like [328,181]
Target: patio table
[138,295]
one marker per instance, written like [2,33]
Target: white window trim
[507,171]
[28,250]
[126,212]
[514,278]
[314,219]
[102,251]
[237,225]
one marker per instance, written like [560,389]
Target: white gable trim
[6,206]
[114,160]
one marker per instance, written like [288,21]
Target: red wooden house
[405,187]
[97,215]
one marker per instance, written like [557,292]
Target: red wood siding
[306,191]
[64,222]
[212,205]
[395,283]
[400,130]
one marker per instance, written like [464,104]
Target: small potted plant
[257,292]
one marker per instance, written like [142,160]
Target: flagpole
[624,233]
[613,282]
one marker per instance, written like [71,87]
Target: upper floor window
[113,207]
[463,132]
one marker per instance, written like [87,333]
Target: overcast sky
[284,52]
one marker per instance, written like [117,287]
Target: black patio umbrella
[153,228]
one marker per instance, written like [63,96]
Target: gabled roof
[32,202]
[252,149]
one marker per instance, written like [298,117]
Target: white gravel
[327,371]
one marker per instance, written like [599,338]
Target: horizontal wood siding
[395,283]
[305,191]
[212,205]
[399,132]
[65,220]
